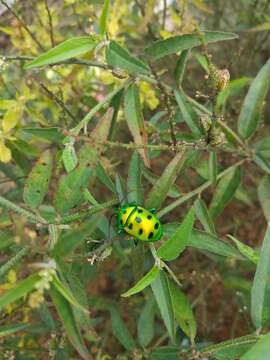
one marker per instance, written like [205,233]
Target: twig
[50,22]
[197,191]
[23,25]
[58,101]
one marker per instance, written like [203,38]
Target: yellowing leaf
[5,153]
[11,118]
[6,104]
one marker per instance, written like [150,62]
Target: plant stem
[13,207]
[197,191]
[84,122]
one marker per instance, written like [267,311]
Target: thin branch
[50,22]
[164,14]
[26,28]
[59,102]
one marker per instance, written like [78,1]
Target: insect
[137,221]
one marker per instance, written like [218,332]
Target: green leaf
[19,290]
[103,17]
[206,242]
[177,43]
[231,349]
[183,312]
[66,315]
[164,353]
[69,157]
[162,295]
[143,282]
[251,109]
[174,192]
[224,192]
[262,162]
[263,146]
[213,168]
[134,183]
[11,329]
[260,350]
[66,50]
[120,331]
[245,250]
[180,68]
[204,217]
[119,57]
[173,247]
[67,294]
[37,183]
[163,185]
[189,115]
[264,196]
[232,89]
[135,121]
[120,189]
[105,178]
[260,283]
[146,325]
[51,134]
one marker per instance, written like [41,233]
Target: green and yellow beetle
[141,223]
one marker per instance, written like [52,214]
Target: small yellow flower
[148,95]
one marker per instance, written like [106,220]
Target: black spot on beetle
[150,235]
[130,226]
[156,226]
[138,220]
[140,231]
[149,217]
[121,222]
[140,211]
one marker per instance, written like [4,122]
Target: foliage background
[94,276]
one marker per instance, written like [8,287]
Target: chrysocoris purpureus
[141,223]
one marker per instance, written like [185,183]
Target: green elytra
[139,222]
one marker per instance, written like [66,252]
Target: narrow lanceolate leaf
[174,192]
[119,57]
[224,192]
[67,294]
[162,294]
[163,185]
[104,177]
[262,162]
[204,241]
[260,283]
[245,250]
[173,247]
[204,217]
[232,89]
[11,329]
[213,167]
[103,17]
[177,43]
[189,115]
[231,349]
[19,290]
[146,322]
[66,315]
[37,183]
[180,68]
[135,120]
[143,282]
[50,134]
[252,107]
[264,196]
[182,311]
[260,350]
[120,331]
[134,183]
[66,50]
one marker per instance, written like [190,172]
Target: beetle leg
[152,210]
